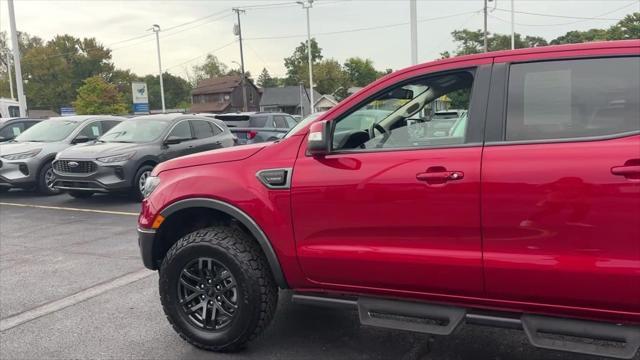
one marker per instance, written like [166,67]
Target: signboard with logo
[67,111]
[140,98]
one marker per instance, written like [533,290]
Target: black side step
[586,337]
[410,316]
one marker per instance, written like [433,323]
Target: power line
[202,55]
[558,16]
[571,22]
[359,29]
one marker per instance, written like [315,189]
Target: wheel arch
[233,213]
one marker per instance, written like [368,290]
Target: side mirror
[81,139]
[172,140]
[319,139]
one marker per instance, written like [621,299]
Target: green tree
[328,76]
[472,42]
[265,80]
[627,28]
[212,67]
[297,63]
[360,72]
[177,91]
[97,96]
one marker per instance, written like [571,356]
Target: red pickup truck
[524,213]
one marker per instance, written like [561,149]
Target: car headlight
[22,155]
[116,158]
[150,184]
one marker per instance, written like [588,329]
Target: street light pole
[156,29]
[243,78]
[485,26]
[16,61]
[513,25]
[307,5]
[414,31]
[9,72]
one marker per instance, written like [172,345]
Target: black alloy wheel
[208,294]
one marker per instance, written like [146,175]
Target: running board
[410,316]
[585,337]
[577,336]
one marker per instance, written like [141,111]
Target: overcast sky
[338,26]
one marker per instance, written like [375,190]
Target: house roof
[222,84]
[214,107]
[330,98]
[285,96]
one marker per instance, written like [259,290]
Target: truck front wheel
[216,288]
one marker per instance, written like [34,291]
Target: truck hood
[235,153]
[98,149]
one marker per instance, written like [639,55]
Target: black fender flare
[242,217]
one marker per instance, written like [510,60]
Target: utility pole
[16,61]
[156,29]
[413,15]
[307,4]
[485,26]
[238,32]
[9,72]
[513,25]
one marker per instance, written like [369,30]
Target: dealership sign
[140,98]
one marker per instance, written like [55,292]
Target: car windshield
[135,131]
[48,131]
[304,122]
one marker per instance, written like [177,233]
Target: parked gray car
[122,159]
[25,162]
[256,127]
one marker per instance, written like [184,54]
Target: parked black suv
[122,159]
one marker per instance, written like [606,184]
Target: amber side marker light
[157,222]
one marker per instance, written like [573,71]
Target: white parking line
[46,309]
[71,209]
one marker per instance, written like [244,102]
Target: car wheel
[139,180]
[216,289]
[45,181]
[80,194]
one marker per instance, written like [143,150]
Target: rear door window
[573,99]
[280,122]
[258,121]
[181,131]
[202,129]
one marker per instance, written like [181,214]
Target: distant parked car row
[84,155]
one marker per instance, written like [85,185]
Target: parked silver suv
[25,162]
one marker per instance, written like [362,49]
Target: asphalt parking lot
[72,286]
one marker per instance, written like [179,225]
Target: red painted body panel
[560,233]
[384,227]
[559,227]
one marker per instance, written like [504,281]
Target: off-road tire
[257,291]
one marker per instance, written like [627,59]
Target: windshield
[135,131]
[48,131]
[304,122]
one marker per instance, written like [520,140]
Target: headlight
[116,158]
[150,184]
[23,155]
